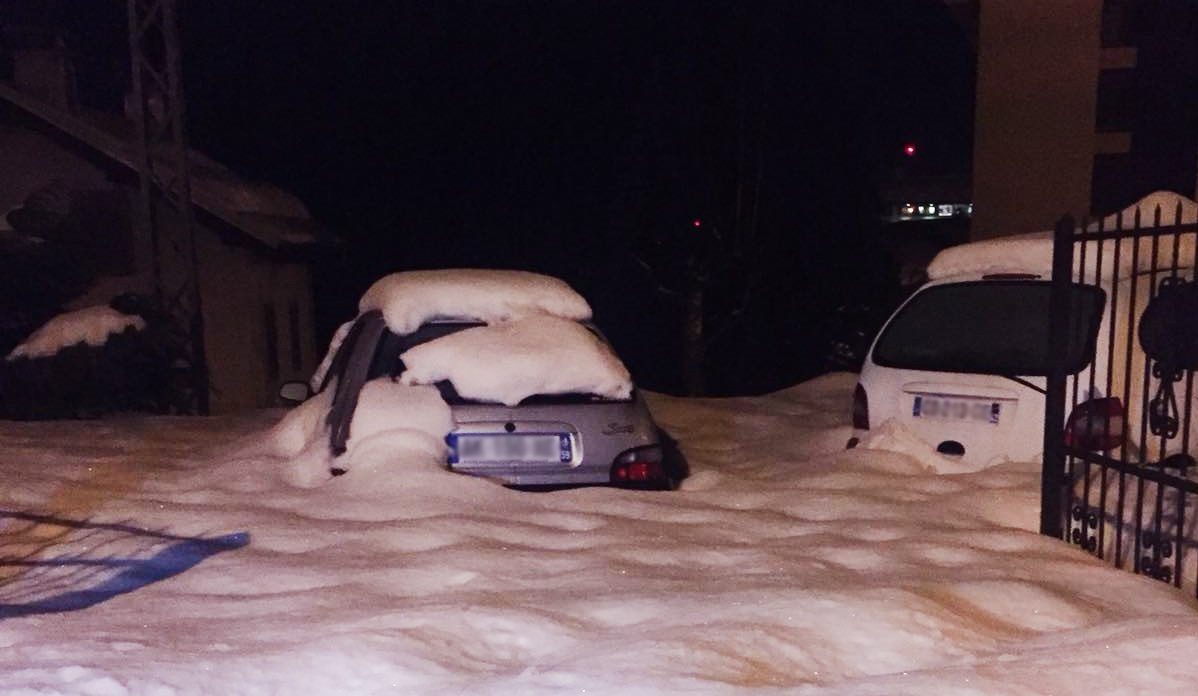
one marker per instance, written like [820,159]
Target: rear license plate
[511,448]
[975,410]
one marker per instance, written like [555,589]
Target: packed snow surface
[512,360]
[91,325]
[410,298]
[164,556]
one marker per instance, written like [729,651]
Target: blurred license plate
[977,410]
[518,448]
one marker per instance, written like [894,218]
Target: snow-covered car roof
[411,298]
[509,361]
[1032,253]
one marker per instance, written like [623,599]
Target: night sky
[583,139]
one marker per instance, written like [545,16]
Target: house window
[272,344]
[297,353]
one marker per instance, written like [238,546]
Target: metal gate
[1119,477]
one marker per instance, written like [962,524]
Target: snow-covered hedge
[88,363]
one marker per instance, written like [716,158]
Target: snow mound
[394,424]
[91,325]
[510,361]
[384,406]
[1032,253]
[411,298]
[892,436]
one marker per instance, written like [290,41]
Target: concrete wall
[1034,132]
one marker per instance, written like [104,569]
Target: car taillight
[1096,425]
[638,465]
[860,409]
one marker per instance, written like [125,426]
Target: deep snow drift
[186,556]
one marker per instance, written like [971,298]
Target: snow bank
[411,298]
[410,418]
[893,436]
[91,325]
[512,360]
[795,568]
[1032,253]
[385,406]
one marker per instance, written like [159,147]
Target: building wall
[258,323]
[258,307]
[1034,137]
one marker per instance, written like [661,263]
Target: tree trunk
[694,349]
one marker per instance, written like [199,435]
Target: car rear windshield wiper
[1024,382]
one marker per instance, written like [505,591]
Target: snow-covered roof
[511,360]
[91,325]
[1032,253]
[411,298]
[262,211]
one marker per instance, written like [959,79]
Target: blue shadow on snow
[132,573]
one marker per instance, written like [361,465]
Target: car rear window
[386,363]
[988,327]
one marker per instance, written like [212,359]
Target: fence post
[1052,476]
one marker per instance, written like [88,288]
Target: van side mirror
[294,392]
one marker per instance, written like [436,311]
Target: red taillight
[638,465]
[1096,425]
[860,409]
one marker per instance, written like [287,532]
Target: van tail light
[860,409]
[1096,425]
[638,465]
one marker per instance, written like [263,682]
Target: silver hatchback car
[545,440]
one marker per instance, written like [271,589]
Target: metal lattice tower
[165,210]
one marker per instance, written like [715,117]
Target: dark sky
[543,115]
[582,137]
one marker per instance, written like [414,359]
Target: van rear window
[988,327]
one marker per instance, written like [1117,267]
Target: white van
[962,364]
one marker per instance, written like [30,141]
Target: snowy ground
[166,556]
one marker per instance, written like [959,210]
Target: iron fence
[1119,475]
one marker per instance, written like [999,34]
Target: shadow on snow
[112,560]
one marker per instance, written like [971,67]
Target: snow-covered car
[537,395]
[961,365]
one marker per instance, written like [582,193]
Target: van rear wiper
[1024,382]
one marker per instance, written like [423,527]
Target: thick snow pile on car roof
[91,325]
[509,361]
[411,298]
[1032,253]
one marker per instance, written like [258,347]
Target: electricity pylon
[165,212]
